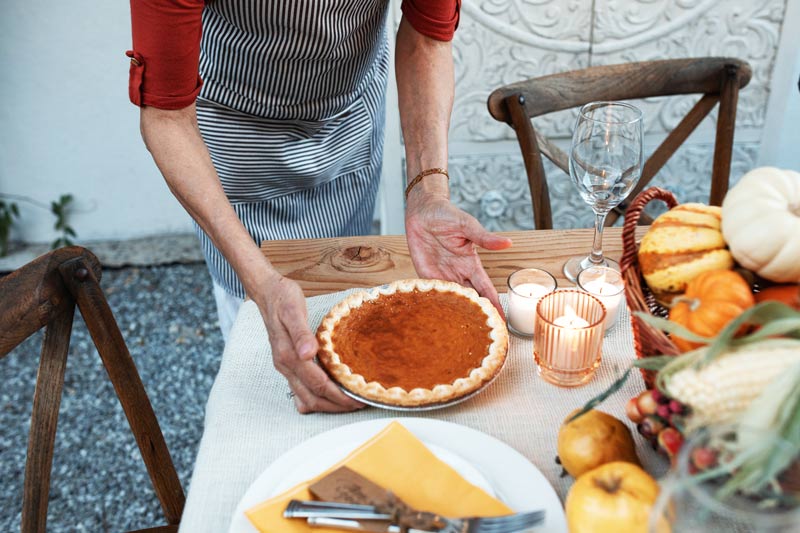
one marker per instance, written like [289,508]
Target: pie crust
[413,343]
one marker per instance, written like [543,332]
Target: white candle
[569,341]
[571,320]
[522,301]
[609,294]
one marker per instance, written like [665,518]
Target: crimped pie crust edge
[492,363]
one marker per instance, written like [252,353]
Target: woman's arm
[164,81]
[441,237]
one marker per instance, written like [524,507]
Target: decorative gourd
[788,293]
[682,243]
[761,223]
[711,300]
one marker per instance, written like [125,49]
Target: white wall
[782,134]
[66,125]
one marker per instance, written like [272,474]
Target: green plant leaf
[654,363]
[600,398]
[760,314]
[672,327]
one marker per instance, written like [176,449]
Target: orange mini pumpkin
[788,293]
[710,302]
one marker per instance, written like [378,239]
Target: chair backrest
[44,294]
[718,79]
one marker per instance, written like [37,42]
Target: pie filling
[413,339]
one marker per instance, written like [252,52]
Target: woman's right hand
[283,308]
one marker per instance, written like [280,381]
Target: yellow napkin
[398,461]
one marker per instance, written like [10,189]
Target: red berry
[703,458]
[676,407]
[632,410]
[659,397]
[647,403]
[670,440]
[663,411]
[651,426]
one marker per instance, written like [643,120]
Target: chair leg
[121,369]
[44,419]
[534,168]
[723,150]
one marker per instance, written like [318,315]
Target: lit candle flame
[601,281]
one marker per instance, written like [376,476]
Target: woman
[266,119]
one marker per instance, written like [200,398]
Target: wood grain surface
[322,266]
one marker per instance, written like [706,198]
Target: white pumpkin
[761,223]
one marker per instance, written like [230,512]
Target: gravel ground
[99,483]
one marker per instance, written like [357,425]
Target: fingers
[293,350]
[483,238]
[314,390]
[483,284]
[295,321]
[319,393]
[308,401]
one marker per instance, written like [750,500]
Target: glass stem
[596,257]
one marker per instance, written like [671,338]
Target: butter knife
[314,509]
[372,526]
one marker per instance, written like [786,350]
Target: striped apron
[292,112]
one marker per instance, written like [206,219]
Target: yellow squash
[681,244]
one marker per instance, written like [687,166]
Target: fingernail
[306,349]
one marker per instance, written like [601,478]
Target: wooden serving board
[322,266]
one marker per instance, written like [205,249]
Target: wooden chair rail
[666,77]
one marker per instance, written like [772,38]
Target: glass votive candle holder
[525,287]
[608,286]
[569,337]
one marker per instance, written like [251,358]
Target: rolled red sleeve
[165,58]
[438,19]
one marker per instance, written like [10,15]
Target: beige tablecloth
[250,421]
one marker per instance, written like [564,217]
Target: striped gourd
[682,243]
[722,389]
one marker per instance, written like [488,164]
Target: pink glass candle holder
[569,337]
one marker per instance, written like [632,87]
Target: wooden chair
[44,294]
[717,79]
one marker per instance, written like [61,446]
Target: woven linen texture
[250,421]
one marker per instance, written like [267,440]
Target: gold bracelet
[424,173]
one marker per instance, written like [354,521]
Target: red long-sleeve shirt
[164,69]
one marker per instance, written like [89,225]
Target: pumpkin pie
[413,343]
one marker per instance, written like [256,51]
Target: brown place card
[347,486]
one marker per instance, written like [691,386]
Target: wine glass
[605,162]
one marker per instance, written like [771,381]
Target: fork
[494,524]
[497,524]
[314,510]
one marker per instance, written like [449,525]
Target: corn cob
[722,389]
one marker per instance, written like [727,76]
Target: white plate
[480,458]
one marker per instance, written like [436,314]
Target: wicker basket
[647,340]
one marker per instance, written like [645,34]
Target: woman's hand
[283,308]
[442,239]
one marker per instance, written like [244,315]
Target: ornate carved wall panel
[494,190]
[659,29]
[502,41]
